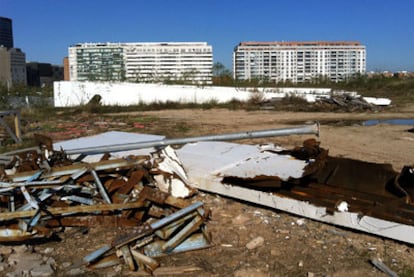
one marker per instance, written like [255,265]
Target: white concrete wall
[68,93]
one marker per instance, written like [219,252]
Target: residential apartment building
[142,62]
[298,61]
[96,62]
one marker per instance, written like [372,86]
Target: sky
[44,29]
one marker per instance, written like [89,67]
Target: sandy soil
[341,133]
[292,246]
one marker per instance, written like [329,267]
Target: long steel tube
[308,129]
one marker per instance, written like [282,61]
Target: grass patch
[181,128]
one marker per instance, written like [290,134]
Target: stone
[75,272]
[300,221]
[51,261]
[250,272]
[21,249]
[24,262]
[5,250]
[66,264]
[3,266]
[44,270]
[254,243]
[14,274]
[48,250]
[240,220]
[274,252]
[16,258]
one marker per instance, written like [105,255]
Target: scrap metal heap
[42,191]
[363,187]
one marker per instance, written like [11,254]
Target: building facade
[12,60]
[96,62]
[43,74]
[6,32]
[18,66]
[141,62]
[12,67]
[298,62]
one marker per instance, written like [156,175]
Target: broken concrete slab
[207,174]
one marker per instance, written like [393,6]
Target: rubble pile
[42,191]
[140,185]
[347,102]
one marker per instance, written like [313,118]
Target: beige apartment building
[298,62]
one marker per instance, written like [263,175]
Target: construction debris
[305,181]
[181,231]
[15,134]
[148,186]
[43,190]
[351,103]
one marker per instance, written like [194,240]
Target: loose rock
[254,243]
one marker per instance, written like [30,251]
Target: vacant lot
[292,246]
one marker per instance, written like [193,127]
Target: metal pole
[309,129]
[175,216]
[101,187]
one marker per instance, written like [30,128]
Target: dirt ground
[292,246]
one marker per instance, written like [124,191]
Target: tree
[220,70]
[221,75]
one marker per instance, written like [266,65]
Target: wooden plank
[72,209]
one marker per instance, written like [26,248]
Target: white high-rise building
[190,62]
[298,61]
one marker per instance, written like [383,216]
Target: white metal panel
[226,159]
[106,139]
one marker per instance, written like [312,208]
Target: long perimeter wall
[68,94]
